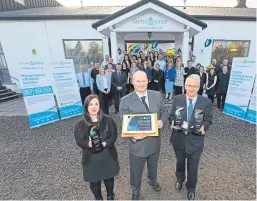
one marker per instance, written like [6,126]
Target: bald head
[140,82]
[139,74]
[82,69]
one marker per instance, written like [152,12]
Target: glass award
[198,121]
[179,114]
[96,139]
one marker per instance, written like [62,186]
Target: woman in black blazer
[103,165]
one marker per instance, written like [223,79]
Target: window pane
[222,49]
[83,52]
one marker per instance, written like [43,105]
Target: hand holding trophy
[96,139]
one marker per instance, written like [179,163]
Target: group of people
[167,74]
[140,98]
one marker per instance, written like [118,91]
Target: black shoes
[111,197]
[135,197]
[191,195]
[156,186]
[178,185]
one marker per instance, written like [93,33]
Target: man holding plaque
[190,118]
[143,147]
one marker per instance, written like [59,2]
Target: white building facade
[86,35]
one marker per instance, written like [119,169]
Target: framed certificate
[136,124]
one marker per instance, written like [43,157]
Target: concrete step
[8,93]
[2,87]
[2,91]
[8,98]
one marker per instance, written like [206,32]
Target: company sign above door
[150,23]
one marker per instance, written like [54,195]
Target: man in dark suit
[190,117]
[148,72]
[222,87]
[118,84]
[142,148]
[94,73]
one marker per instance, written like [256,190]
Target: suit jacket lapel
[137,99]
[149,96]
[185,109]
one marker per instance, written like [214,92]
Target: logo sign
[150,23]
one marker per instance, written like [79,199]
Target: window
[227,49]
[2,58]
[83,52]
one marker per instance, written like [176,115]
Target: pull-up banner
[251,112]
[240,87]
[38,93]
[66,89]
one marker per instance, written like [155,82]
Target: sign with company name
[240,87]
[66,89]
[150,21]
[37,93]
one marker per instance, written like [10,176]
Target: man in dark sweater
[94,73]
[222,87]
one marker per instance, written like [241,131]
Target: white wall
[46,37]
[224,30]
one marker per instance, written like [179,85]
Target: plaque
[96,139]
[136,124]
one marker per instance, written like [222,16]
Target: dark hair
[125,64]
[86,115]
[198,64]
[128,59]
[118,64]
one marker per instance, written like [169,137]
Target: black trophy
[198,121]
[179,113]
[96,139]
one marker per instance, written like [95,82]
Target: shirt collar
[193,100]
[139,95]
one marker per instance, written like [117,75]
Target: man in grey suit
[190,117]
[143,148]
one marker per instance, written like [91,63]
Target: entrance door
[4,73]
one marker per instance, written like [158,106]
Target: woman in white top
[104,86]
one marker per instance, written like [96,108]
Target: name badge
[185,125]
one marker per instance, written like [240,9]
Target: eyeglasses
[191,86]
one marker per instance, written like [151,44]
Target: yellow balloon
[170,52]
[131,47]
[145,46]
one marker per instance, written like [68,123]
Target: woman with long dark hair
[124,68]
[127,60]
[211,83]
[101,164]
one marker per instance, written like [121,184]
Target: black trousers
[96,188]
[95,88]
[200,92]
[117,96]
[177,90]
[84,92]
[211,97]
[192,168]
[221,97]
[105,100]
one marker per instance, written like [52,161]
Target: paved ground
[44,163]
[14,107]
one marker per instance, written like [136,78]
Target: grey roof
[100,12]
